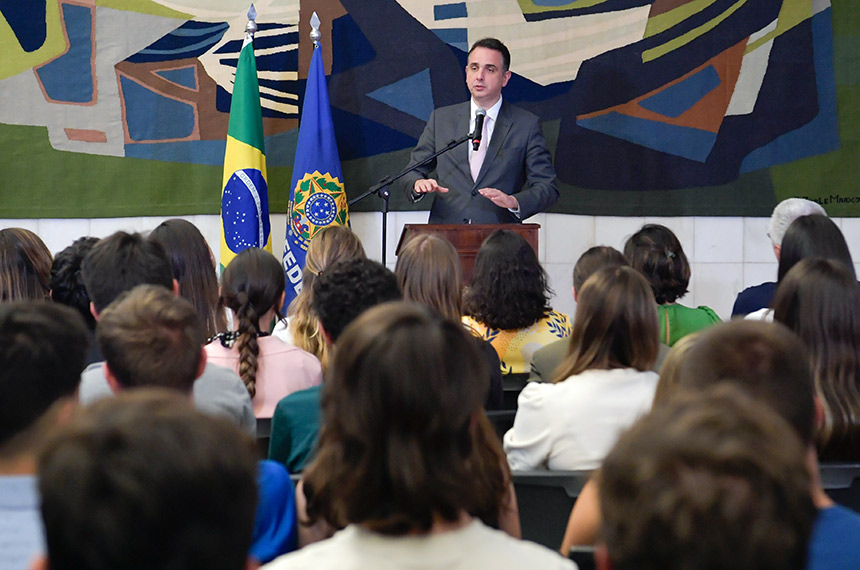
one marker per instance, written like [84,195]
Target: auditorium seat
[583,556]
[841,481]
[502,420]
[544,499]
[512,385]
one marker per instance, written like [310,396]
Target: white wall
[726,254]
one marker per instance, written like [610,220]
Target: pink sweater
[282,369]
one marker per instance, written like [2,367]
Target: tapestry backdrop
[666,107]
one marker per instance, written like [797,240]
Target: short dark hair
[67,285]
[509,287]
[348,288]
[144,482]
[812,236]
[594,259]
[713,481]
[493,43]
[151,337]
[766,360]
[656,252]
[399,444]
[120,262]
[42,353]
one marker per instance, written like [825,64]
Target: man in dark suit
[509,177]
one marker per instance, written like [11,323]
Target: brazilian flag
[244,196]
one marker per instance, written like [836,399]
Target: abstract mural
[661,107]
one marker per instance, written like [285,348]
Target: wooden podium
[467,238]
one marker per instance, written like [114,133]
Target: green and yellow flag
[244,196]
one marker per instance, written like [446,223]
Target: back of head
[595,258]
[712,482]
[766,360]
[327,247]
[25,266]
[251,286]
[656,252]
[509,288]
[119,263]
[42,353]
[786,212]
[67,285]
[194,269]
[428,272]
[819,299]
[616,324]
[397,438]
[812,236]
[150,337]
[348,288]
[143,481]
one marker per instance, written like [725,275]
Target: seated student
[343,292]
[604,384]
[67,287]
[399,462]
[819,299]
[808,236]
[145,482]
[301,327]
[25,266]
[429,273]
[42,348]
[252,287]
[715,481]
[117,264]
[507,301]
[152,338]
[656,252]
[759,297]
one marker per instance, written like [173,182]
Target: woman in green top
[656,252]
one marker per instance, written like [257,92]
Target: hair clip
[670,254]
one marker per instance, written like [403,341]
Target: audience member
[42,348]
[25,266]
[603,385]
[429,273]
[546,360]
[656,252]
[144,482]
[712,482]
[770,363]
[819,299]
[194,269]
[67,287]
[398,464]
[759,297]
[119,263]
[301,327]
[252,287]
[344,291]
[808,236]
[584,521]
[507,301]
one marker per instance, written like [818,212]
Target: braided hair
[252,284]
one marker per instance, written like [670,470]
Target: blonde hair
[670,371]
[330,245]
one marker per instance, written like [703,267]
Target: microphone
[479,128]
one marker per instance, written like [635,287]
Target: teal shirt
[677,321]
[295,429]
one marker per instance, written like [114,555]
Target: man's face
[486,75]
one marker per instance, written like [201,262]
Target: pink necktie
[477,158]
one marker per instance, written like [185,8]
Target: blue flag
[317,196]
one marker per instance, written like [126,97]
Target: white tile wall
[726,254]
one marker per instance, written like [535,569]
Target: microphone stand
[382,190]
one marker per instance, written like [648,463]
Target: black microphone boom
[479,128]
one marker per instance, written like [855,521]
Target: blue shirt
[835,542]
[22,536]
